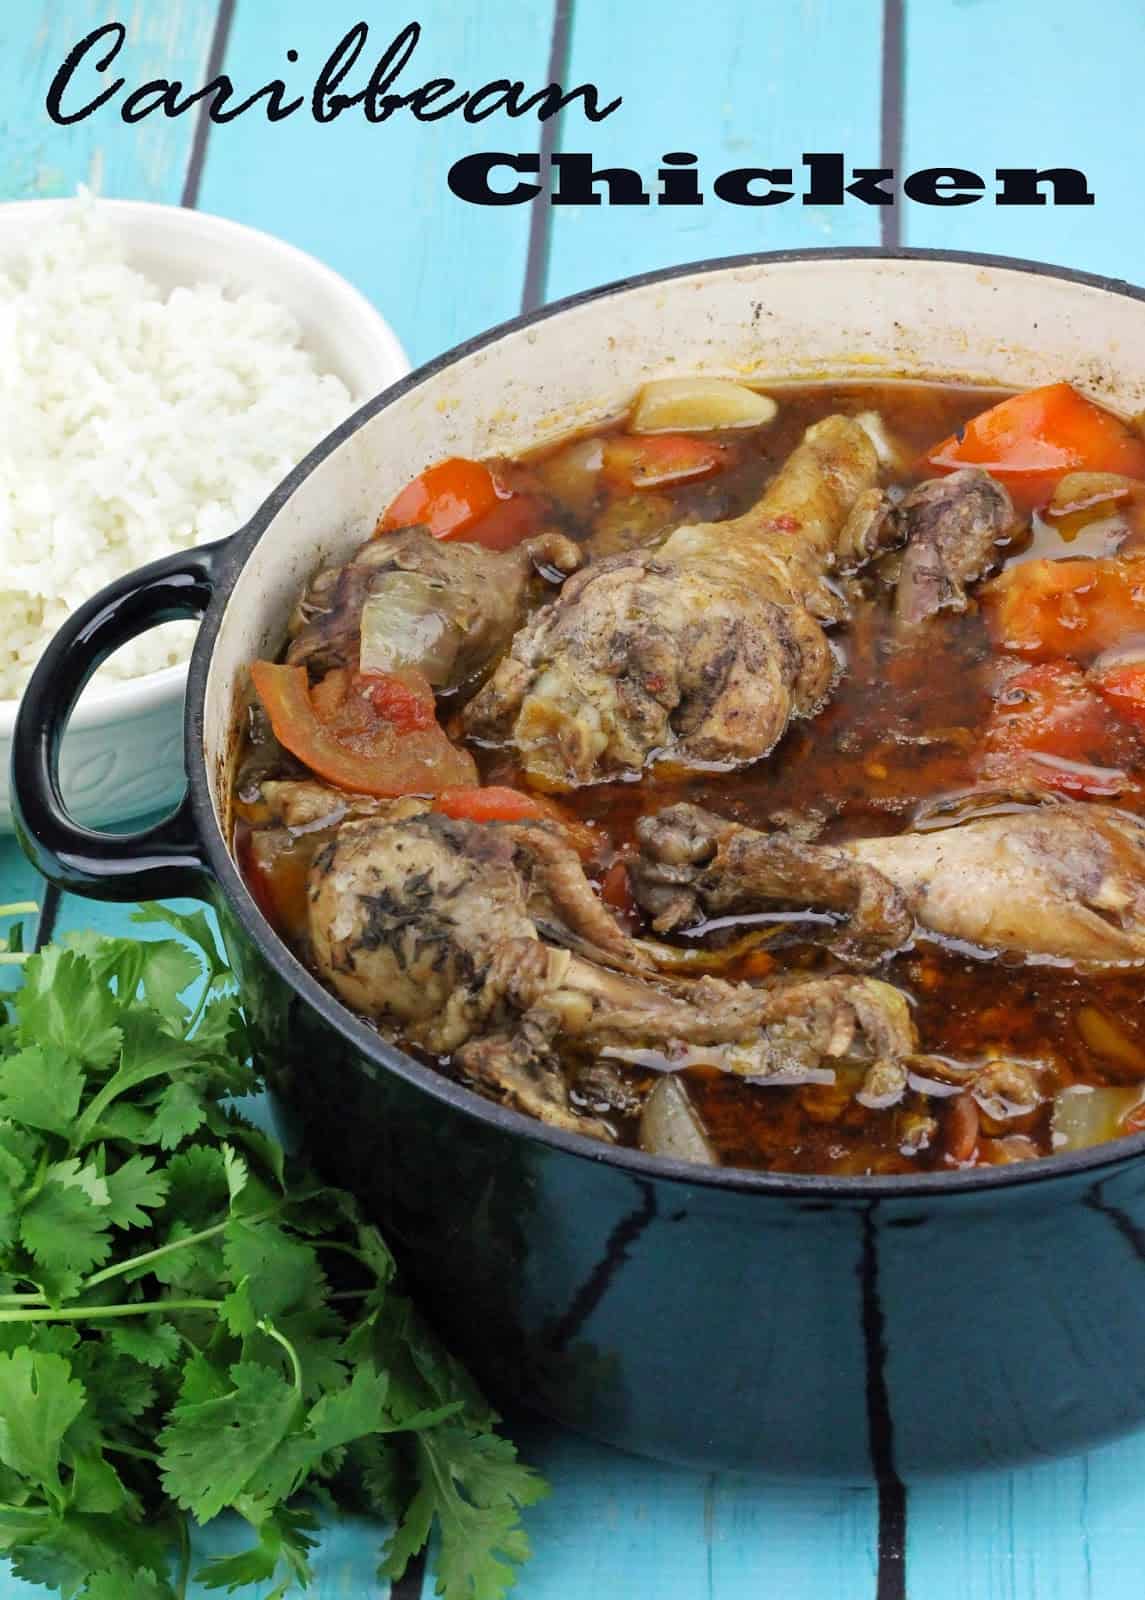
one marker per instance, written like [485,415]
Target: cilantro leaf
[152,1342]
[134,1189]
[196,928]
[62,1004]
[148,1051]
[167,970]
[197,1186]
[209,1451]
[76,1547]
[41,1087]
[472,1485]
[65,1224]
[144,1586]
[39,1401]
[283,1537]
[279,1271]
[96,1486]
[178,1115]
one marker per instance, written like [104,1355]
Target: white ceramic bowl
[123,751]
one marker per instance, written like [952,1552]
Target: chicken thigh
[699,651]
[1065,881]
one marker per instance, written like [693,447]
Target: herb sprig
[189,1324]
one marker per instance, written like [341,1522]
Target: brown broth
[897,734]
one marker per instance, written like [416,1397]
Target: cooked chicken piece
[1066,881]
[430,926]
[560,898]
[303,804]
[465,601]
[695,864]
[952,528]
[700,651]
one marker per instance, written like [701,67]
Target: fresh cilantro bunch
[188,1324]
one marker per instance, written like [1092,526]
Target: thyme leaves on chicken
[189,1325]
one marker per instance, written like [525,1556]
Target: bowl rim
[140,695]
[808,1187]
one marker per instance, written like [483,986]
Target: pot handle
[159,862]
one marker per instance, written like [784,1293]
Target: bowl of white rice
[163,370]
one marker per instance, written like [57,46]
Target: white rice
[132,425]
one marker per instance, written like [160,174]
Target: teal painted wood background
[978,83]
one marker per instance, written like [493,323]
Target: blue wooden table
[907,83]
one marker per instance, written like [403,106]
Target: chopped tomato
[340,733]
[1031,440]
[460,499]
[1050,727]
[512,519]
[1122,686]
[647,460]
[1047,609]
[402,706]
[499,803]
[449,498]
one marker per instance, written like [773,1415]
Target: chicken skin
[699,651]
[1062,881]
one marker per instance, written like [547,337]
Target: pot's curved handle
[159,862]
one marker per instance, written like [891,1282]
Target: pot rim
[1115,1154]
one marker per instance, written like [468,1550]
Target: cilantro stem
[272,1333]
[201,1005]
[17,908]
[22,1300]
[148,1256]
[89,1313]
[184,1560]
[129,1450]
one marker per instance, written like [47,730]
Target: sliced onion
[891,454]
[700,404]
[670,1126]
[406,622]
[1085,1116]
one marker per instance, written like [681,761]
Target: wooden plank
[142,162]
[618,1526]
[740,86]
[1065,1530]
[1003,84]
[372,200]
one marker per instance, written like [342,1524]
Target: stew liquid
[911,734]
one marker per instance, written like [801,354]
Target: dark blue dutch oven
[834,1326]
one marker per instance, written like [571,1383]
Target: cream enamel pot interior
[840,1326]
